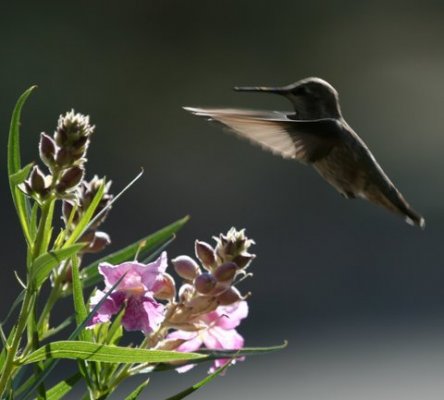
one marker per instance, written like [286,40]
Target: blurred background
[355,290]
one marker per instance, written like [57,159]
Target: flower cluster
[64,154]
[204,312]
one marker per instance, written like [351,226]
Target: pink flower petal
[193,341]
[232,315]
[112,273]
[218,338]
[108,308]
[154,270]
[142,314]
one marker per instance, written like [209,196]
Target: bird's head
[312,98]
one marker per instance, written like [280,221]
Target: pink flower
[216,332]
[135,292]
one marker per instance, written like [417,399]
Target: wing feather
[303,140]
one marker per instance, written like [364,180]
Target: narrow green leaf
[90,274]
[80,309]
[104,353]
[14,163]
[211,355]
[134,395]
[21,175]
[86,217]
[203,382]
[245,352]
[43,265]
[63,387]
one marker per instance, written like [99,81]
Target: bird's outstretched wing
[303,140]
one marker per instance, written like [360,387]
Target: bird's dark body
[317,134]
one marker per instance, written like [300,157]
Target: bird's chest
[341,168]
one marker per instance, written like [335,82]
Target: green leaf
[203,382]
[14,164]
[21,175]
[86,217]
[43,265]
[211,355]
[245,352]
[90,274]
[134,395]
[63,387]
[104,353]
[80,309]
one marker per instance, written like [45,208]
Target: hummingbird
[316,133]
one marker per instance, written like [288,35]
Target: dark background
[357,292]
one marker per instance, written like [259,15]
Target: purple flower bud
[97,241]
[205,253]
[63,157]
[37,181]
[72,127]
[165,288]
[47,149]
[225,272]
[186,267]
[244,260]
[229,296]
[70,179]
[205,283]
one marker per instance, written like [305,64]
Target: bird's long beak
[276,90]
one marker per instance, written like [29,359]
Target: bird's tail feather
[396,202]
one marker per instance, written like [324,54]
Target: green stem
[39,243]
[12,350]
[54,295]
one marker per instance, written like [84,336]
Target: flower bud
[244,260]
[186,267]
[97,241]
[37,180]
[63,157]
[47,149]
[71,127]
[70,179]
[232,244]
[165,288]
[225,272]
[229,296]
[205,283]
[205,253]
[185,292]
